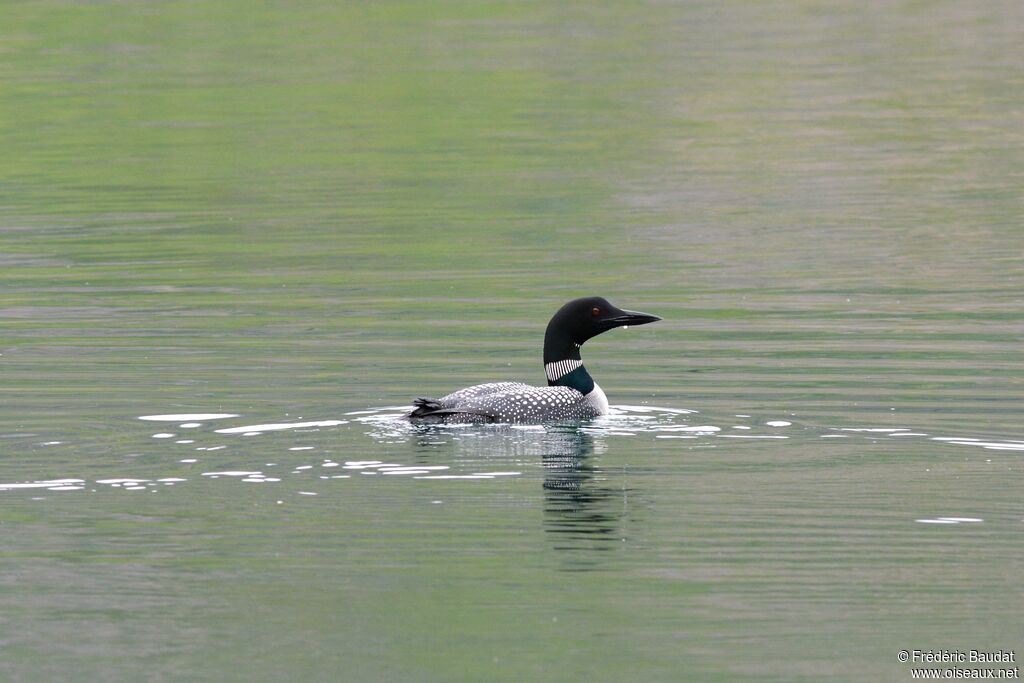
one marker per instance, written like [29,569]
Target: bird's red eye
[595,311]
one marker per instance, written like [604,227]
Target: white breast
[598,400]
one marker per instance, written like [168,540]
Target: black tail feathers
[434,411]
[425,406]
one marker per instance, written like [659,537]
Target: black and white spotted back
[508,402]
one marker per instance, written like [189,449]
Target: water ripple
[551,451]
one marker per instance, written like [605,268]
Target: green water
[297,212]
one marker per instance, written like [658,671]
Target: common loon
[571,393]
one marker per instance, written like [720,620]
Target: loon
[571,394]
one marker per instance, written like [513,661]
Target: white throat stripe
[561,368]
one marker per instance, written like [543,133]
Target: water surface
[242,217]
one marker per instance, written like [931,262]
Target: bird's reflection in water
[583,509]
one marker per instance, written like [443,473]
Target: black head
[581,319]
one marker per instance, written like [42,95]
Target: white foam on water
[54,484]
[184,441]
[190,425]
[778,423]
[302,448]
[653,409]
[307,493]
[231,473]
[707,429]
[189,460]
[454,476]
[65,488]
[278,426]
[672,436]
[751,436]
[405,470]
[950,520]
[121,481]
[380,418]
[990,445]
[497,474]
[877,430]
[361,466]
[186,417]
[740,427]
[163,435]
[418,467]
[171,480]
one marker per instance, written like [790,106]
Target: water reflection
[583,510]
[582,513]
